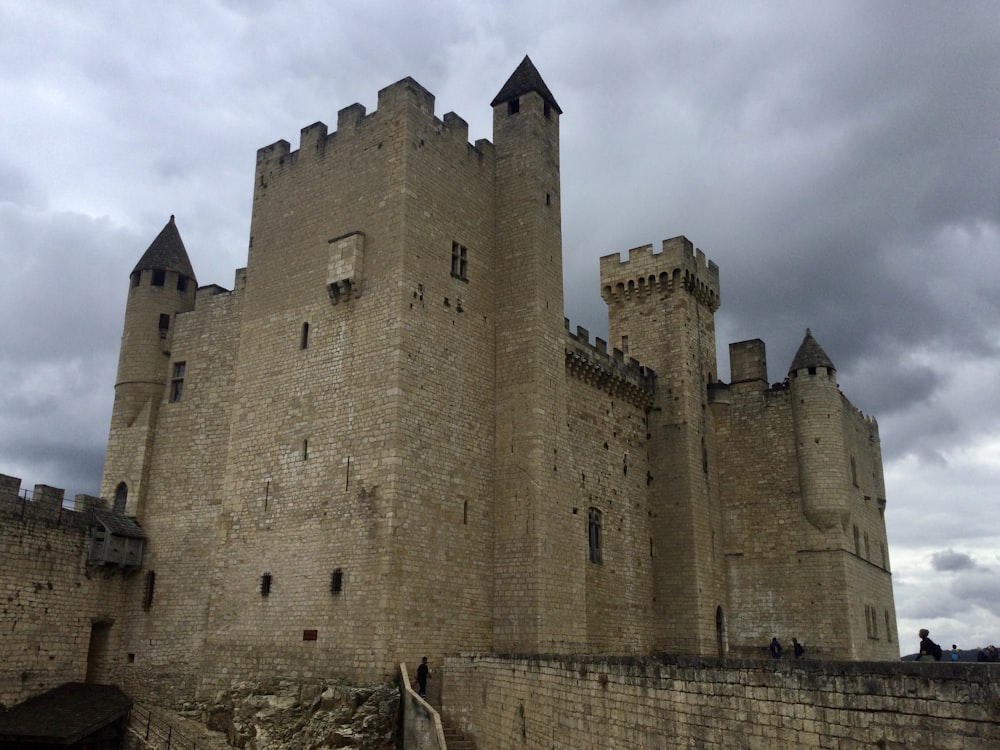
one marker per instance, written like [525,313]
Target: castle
[385,442]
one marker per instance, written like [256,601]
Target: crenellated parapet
[624,378]
[403,99]
[45,503]
[677,267]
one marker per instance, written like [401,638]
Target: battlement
[400,99]
[45,503]
[678,266]
[609,372]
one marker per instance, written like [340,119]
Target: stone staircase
[455,740]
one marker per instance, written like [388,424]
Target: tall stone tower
[661,311]
[162,284]
[534,554]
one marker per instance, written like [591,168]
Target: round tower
[161,285]
[817,414]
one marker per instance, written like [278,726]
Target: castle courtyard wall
[607,471]
[605,702]
[49,599]
[161,642]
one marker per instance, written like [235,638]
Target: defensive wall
[49,600]
[604,702]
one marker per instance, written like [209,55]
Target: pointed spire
[166,253]
[526,78]
[810,354]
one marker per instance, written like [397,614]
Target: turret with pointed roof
[162,284]
[166,253]
[810,354]
[523,80]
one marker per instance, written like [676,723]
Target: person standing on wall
[423,673]
[928,647]
[775,648]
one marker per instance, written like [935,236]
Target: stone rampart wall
[572,702]
[49,599]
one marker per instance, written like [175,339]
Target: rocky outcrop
[292,716]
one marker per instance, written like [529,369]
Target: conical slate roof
[810,354]
[167,253]
[526,78]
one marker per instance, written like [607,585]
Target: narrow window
[159,278]
[885,564]
[854,472]
[868,548]
[594,534]
[164,322]
[265,584]
[513,106]
[304,337]
[459,262]
[121,495]
[305,450]
[336,581]
[136,277]
[147,592]
[182,283]
[704,456]
[625,345]
[547,111]
[857,541]
[465,513]
[888,632]
[177,381]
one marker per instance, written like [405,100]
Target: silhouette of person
[423,673]
[775,649]
[798,648]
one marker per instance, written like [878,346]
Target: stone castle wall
[572,702]
[49,599]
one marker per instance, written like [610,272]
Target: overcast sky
[840,161]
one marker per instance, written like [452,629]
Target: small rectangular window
[513,106]
[594,534]
[265,584]
[304,336]
[147,593]
[337,581]
[164,322]
[177,381]
[182,283]
[459,262]
[159,278]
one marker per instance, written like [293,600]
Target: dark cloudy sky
[840,161]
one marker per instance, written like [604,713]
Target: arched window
[121,495]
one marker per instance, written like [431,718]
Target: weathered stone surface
[262,716]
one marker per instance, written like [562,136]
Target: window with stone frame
[177,381]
